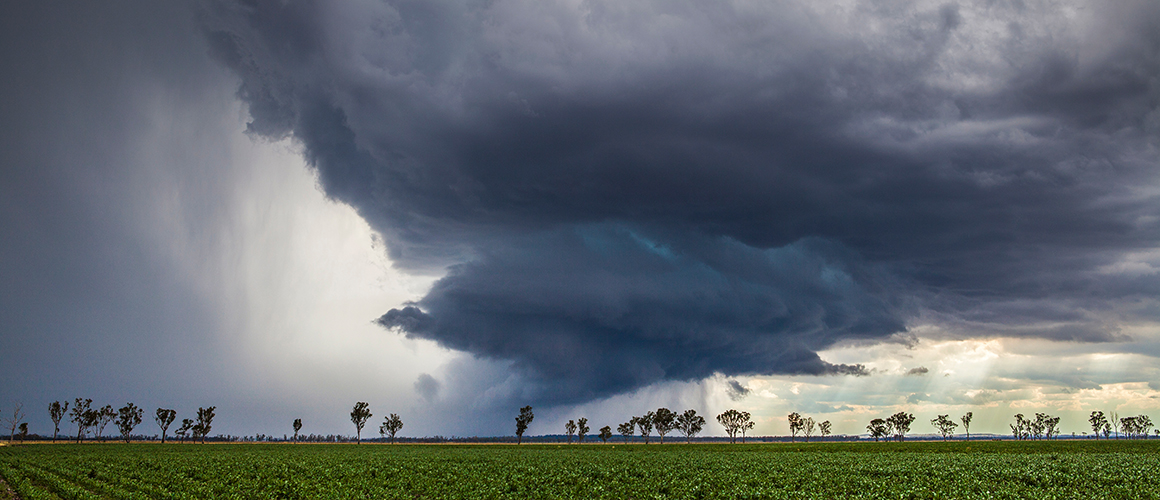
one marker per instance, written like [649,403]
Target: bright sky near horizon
[453,209]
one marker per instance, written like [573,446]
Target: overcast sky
[452,209]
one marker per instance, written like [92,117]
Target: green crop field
[1124,469]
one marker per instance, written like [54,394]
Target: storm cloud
[627,193]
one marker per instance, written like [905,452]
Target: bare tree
[795,425]
[665,421]
[105,415]
[163,418]
[204,422]
[809,427]
[570,429]
[128,417]
[82,415]
[392,425]
[581,429]
[731,420]
[877,429]
[297,427]
[56,412]
[967,423]
[689,423]
[14,421]
[824,429]
[627,429]
[1114,421]
[645,424]
[605,433]
[523,420]
[944,425]
[359,416]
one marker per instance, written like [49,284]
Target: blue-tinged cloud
[643,191]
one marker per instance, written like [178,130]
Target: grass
[1060,469]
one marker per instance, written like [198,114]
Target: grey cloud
[962,158]
[427,387]
[919,371]
[736,391]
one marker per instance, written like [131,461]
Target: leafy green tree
[900,423]
[523,420]
[877,429]
[808,425]
[664,420]
[944,425]
[56,412]
[359,416]
[82,415]
[1098,421]
[732,421]
[204,422]
[184,430]
[23,431]
[164,418]
[297,427]
[581,429]
[392,425]
[128,417]
[645,424]
[967,423]
[605,434]
[689,423]
[795,424]
[746,425]
[105,415]
[570,429]
[627,429]
[824,429]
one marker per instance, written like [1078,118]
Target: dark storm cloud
[644,191]
[736,391]
[918,371]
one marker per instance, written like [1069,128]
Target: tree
[824,429]
[967,423]
[665,421]
[1114,421]
[523,420]
[23,431]
[204,422]
[731,420]
[359,416]
[627,429]
[392,425]
[1144,423]
[164,417]
[570,429]
[605,433]
[877,429]
[795,425]
[646,425]
[746,424]
[105,415]
[944,425]
[581,429]
[128,417]
[186,426]
[1047,424]
[14,421]
[689,423]
[297,427]
[56,411]
[809,427]
[81,415]
[900,423]
[1098,421]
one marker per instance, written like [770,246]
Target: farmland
[1061,469]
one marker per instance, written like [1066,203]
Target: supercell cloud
[632,192]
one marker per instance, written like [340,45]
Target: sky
[453,209]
